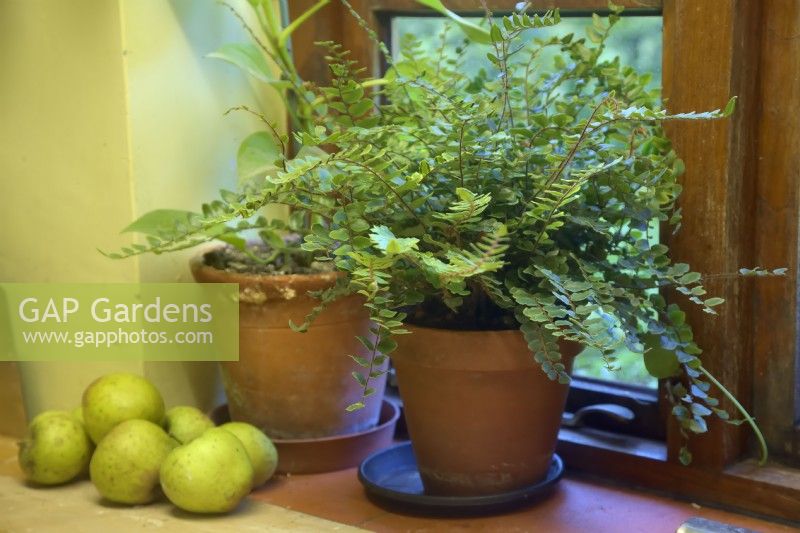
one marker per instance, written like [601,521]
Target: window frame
[740,191]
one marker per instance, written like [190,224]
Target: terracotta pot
[482,416]
[295,385]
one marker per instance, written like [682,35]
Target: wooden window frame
[741,205]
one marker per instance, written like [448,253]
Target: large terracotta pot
[482,416]
[295,385]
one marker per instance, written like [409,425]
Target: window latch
[617,413]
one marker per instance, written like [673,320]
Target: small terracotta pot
[482,416]
[295,385]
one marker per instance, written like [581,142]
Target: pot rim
[473,350]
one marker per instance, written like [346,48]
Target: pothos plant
[526,196]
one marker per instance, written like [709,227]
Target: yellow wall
[182,149]
[108,110]
[63,141]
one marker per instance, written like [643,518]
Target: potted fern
[291,386]
[493,224]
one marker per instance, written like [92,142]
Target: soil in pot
[482,416]
[292,385]
[260,260]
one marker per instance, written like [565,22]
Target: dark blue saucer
[391,478]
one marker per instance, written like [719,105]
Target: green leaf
[249,58]
[495,33]
[661,363]
[678,167]
[159,222]
[257,155]
[272,238]
[354,407]
[680,411]
[685,456]
[711,302]
[234,240]
[387,345]
[691,277]
[597,22]
[359,108]
[359,225]
[730,107]
[676,316]
[367,343]
[594,35]
[471,30]
[339,234]
[361,361]
[386,241]
[359,241]
[698,425]
[302,328]
[700,410]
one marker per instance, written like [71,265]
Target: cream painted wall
[107,110]
[63,164]
[63,141]
[182,148]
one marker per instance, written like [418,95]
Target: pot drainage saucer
[391,477]
[326,454]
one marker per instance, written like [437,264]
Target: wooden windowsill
[772,491]
[577,505]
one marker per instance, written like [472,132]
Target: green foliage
[268,60]
[475,32]
[159,220]
[533,192]
[250,58]
[257,155]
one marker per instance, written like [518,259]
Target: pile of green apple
[132,449]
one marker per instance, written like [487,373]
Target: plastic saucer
[390,477]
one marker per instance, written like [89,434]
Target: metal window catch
[615,412]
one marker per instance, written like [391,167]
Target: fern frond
[467,209]
[544,346]
[326,297]
[484,256]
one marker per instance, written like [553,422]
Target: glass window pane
[635,39]
[637,42]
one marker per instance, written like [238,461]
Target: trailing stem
[739,407]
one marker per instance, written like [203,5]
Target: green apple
[55,450]
[125,466]
[115,398]
[262,453]
[185,423]
[211,474]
